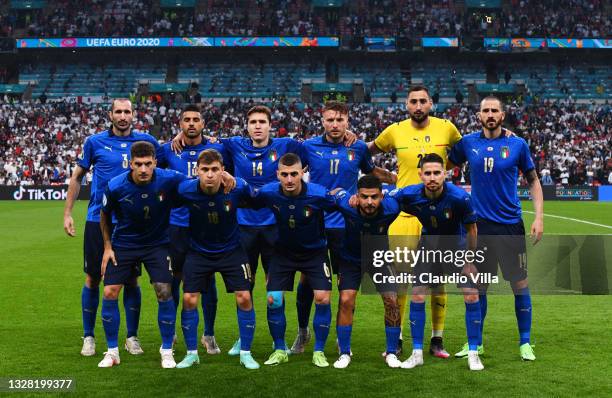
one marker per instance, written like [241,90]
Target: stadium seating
[87,80]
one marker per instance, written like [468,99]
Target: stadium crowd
[39,143]
[401,18]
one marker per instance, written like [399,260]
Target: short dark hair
[289,159]
[494,98]
[208,156]
[191,108]
[418,87]
[120,99]
[260,109]
[369,181]
[336,106]
[142,149]
[431,158]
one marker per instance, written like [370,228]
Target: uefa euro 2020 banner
[119,42]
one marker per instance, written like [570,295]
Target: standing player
[108,153]
[301,246]
[214,246]
[191,124]
[372,216]
[334,165]
[495,161]
[141,200]
[412,139]
[445,211]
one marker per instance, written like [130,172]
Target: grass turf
[41,329]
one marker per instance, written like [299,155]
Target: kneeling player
[301,246]
[372,216]
[215,247]
[442,209]
[141,201]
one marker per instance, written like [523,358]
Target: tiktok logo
[18,195]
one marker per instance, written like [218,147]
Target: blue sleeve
[87,155]
[299,149]
[525,162]
[468,215]
[108,202]
[162,158]
[228,161]
[228,144]
[367,164]
[328,202]
[457,153]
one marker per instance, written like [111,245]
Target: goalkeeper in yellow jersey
[412,139]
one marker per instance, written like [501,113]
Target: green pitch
[40,333]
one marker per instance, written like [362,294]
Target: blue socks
[246,326]
[472,325]
[482,299]
[417,324]
[392,334]
[277,323]
[110,321]
[303,301]
[321,324]
[522,308]
[131,303]
[166,318]
[90,298]
[209,307]
[344,338]
[189,324]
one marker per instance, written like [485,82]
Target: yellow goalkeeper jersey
[411,144]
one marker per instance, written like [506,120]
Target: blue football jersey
[444,215]
[186,163]
[109,155]
[300,219]
[336,166]
[213,223]
[257,166]
[142,211]
[494,167]
[358,225]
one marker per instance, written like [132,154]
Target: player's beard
[120,128]
[419,118]
[485,124]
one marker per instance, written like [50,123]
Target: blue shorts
[335,237]
[350,275]
[314,266]
[506,246]
[232,265]
[258,241]
[93,249]
[155,259]
[179,246]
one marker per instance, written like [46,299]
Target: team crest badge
[307,211]
[227,206]
[427,138]
[505,152]
[144,196]
[350,154]
[161,196]
[123,145]
[448,214]
[273,155]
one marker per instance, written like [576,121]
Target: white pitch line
[571,219]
